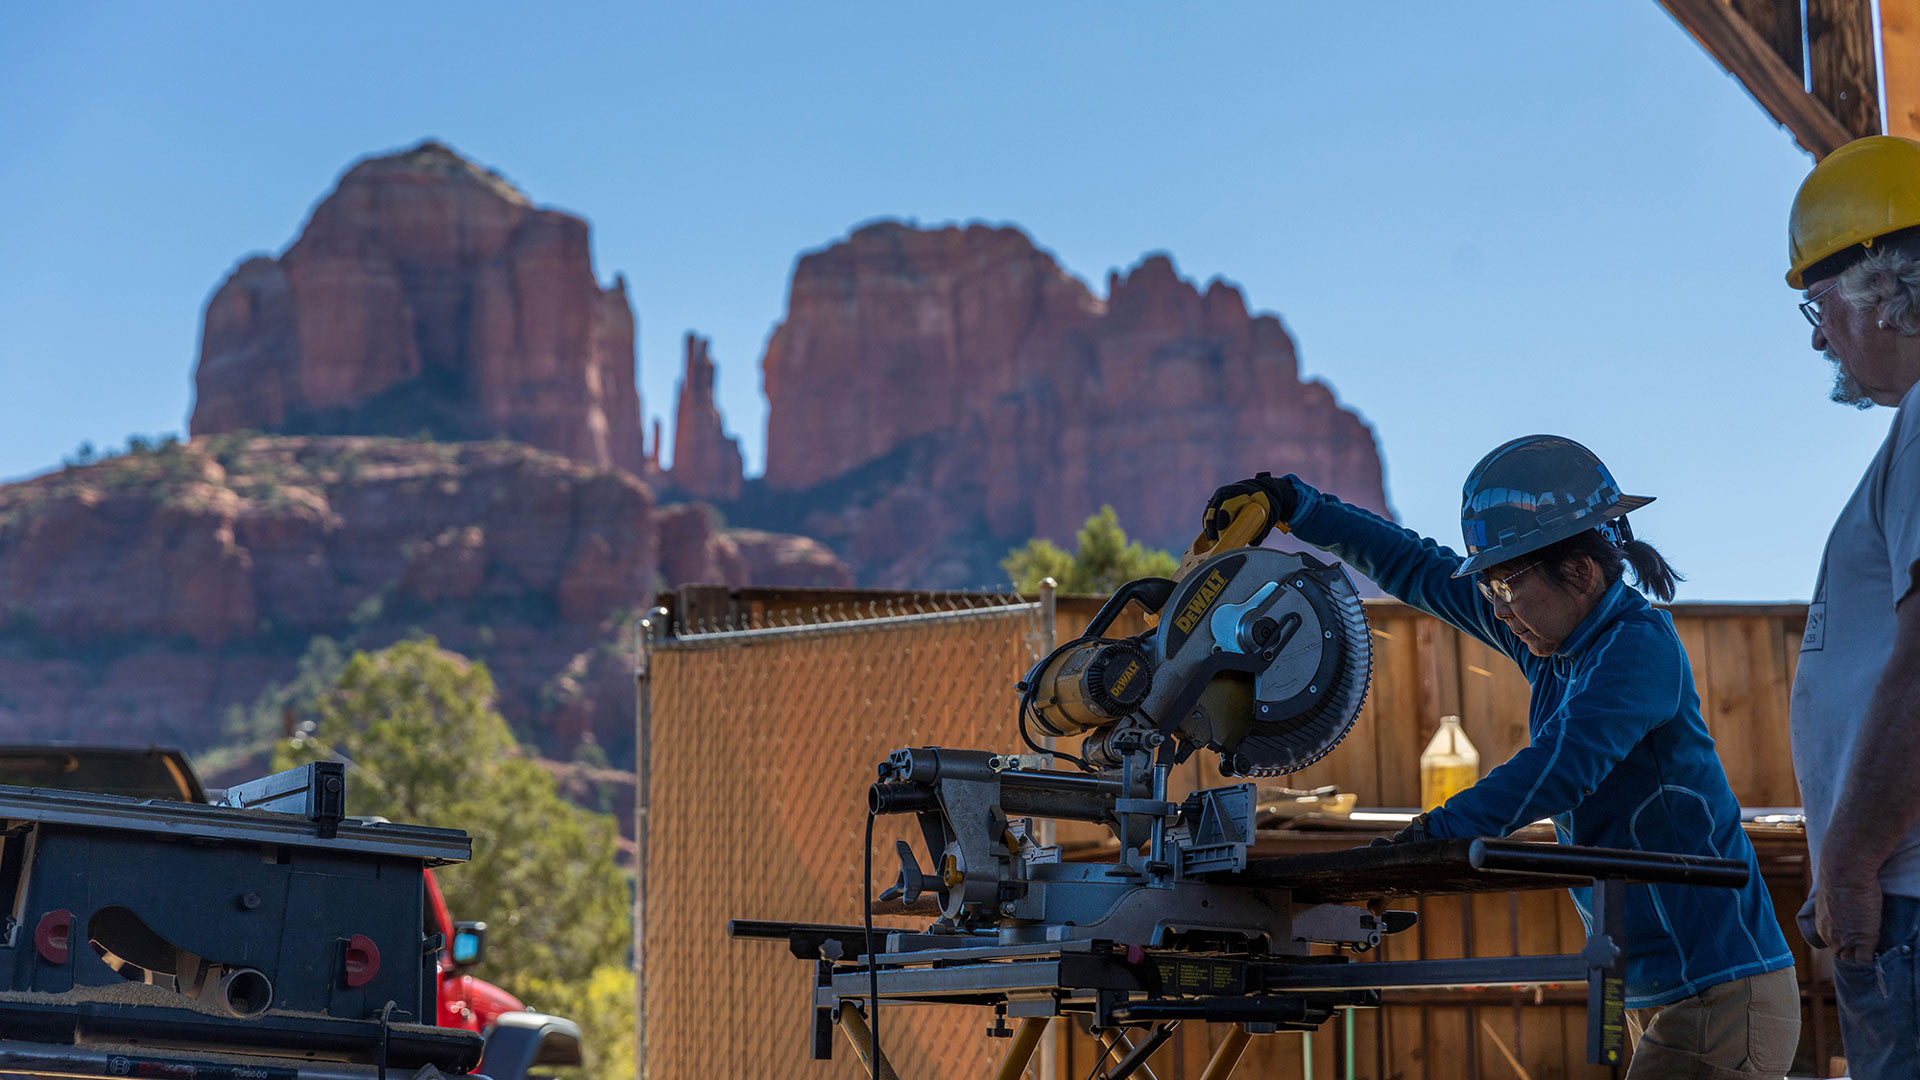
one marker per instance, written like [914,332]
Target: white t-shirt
[1868,568]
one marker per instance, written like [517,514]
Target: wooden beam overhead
[1846,78]
[1741,49]
[1900,49]
[1778,24]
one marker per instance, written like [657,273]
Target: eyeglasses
[1811,306]
[1499,588]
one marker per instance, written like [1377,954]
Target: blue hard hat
[1534,491]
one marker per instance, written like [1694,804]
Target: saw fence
[763,712]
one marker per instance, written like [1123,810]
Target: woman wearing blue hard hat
[1618,755]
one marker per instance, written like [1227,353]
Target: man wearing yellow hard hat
[1854,241]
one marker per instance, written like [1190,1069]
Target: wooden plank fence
[1743,659]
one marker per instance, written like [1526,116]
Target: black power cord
[386,1028]
[873,960]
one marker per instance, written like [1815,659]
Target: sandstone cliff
[697,549]
[939,395]
[142,597]
[145,595]
[706,460]
[426,294]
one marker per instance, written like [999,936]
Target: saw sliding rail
[1153,990]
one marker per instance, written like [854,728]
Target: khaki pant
[1746,1029]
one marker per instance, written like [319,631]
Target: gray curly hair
[1888,278]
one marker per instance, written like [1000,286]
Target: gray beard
[1846,389]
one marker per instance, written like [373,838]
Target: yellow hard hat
[1866,189]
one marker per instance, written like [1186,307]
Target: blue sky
[1477,220]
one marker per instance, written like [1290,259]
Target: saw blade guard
[1263,656]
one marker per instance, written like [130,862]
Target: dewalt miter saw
[1260,655]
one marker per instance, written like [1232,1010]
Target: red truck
[519,1043]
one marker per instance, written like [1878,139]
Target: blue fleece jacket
[1618,756]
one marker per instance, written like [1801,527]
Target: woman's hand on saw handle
[1274,496]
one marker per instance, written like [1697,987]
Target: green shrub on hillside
[1104,561]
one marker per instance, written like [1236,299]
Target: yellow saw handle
[1247,515]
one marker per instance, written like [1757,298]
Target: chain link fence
[762,724]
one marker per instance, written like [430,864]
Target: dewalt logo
[1126,677]
[1202,600]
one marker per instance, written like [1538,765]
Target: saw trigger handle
[1151,593]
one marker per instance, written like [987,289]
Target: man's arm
[1879,801]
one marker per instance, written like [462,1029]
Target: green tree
[1104,561]
[424,745]
[603,1007]
[254,732]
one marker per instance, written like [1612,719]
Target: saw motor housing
[1262,656]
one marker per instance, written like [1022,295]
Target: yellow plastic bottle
[1449,765]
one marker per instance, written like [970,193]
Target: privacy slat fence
[760,745]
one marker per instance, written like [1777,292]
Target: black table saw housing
[281,939]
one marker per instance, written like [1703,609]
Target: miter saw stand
[1135,995]
[1264,657]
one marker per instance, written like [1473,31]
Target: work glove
[1415,831]
[1278,494]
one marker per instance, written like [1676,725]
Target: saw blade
[1263,656]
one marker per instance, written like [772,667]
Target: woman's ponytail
[1563,562]
[1651,571]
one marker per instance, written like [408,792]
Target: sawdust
[284,1058]
[145,994]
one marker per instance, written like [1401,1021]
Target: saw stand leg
[854,1023]
[1026,1039]
[1227,1055]
[1137,1053]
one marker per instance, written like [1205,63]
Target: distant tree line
[137,446]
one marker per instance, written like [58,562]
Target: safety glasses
[1810,307]
[1499,588]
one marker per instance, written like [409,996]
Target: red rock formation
[1189,391]
[706,461]
[900,332]
[797,562]
[150,592]
[694,551]
[936,396]
[427,293]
